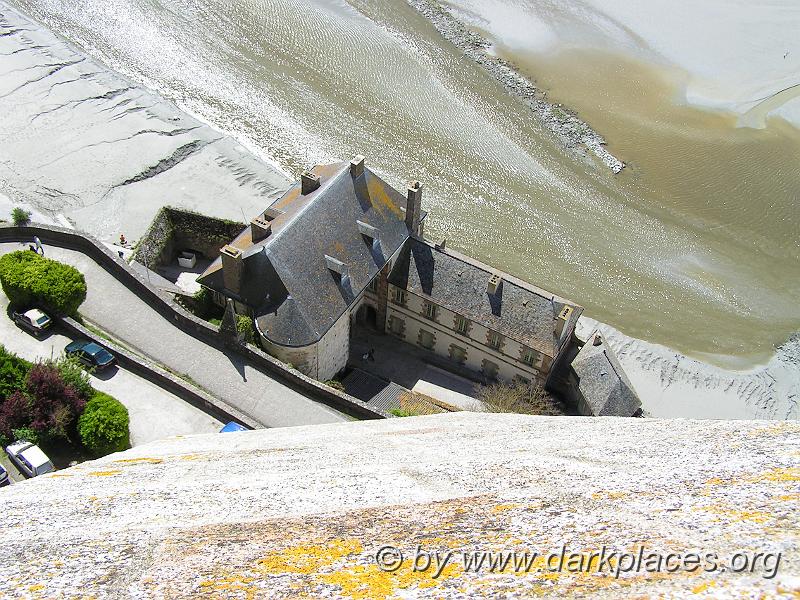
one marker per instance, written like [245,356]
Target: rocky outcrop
[310,511]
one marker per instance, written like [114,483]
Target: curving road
[223,374]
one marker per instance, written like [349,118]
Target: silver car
[29,459]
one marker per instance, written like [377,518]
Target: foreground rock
[303,511]
[81,142]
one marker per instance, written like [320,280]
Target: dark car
[33,320]
[4,480]
[90,354]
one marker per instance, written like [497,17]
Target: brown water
[694,246]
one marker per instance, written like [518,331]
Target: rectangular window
[495,339]
[396,326]
[462,325]
[430,311]
[426,339]
[529,356]
[372,286]
[490,369]
[399,296]
[458,354]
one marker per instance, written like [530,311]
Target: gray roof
[295,296]
[602,381]
[517,310]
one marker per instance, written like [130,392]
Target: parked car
[4,480]
[233,426]
[90,354]
[33,320]
[29,459]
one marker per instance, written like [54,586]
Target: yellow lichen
[133,461]
[104,473]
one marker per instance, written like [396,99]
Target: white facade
[411,323]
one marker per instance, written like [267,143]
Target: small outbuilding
[598,384]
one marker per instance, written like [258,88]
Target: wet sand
[84,145]
[108,157]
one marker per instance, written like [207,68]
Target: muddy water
[692,247]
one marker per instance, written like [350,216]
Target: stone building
[598,385]
[343,246]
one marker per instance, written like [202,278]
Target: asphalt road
[226,375]
[154,412]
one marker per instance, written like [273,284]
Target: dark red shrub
[55,405]
[14,413]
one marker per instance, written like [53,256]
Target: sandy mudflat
[737,53]
[81,142]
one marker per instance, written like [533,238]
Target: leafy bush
[13,371]
[25,434]
[516,397]
[74,373]
[246,327]
[103,426]
[399,412]
[203,305]
[14,414]
[20,216]
[337,385]
[54,405]
[28,279]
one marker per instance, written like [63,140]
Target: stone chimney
[357,166]
[308,182]
[232,268]
[414,207]
[259,229]
[562,319]
[494,283]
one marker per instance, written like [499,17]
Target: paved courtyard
[409,367]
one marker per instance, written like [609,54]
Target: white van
[29,458]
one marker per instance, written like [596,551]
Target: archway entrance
[367,315]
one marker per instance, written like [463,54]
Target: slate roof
[295,296]
[602,381]
[517,310]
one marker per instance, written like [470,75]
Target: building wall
[333,349]
[304,359]
[508,358]
[322,360]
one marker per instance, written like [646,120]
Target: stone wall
[173,230]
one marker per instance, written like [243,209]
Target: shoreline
[672,384]
[569,129]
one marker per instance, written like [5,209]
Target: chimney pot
[494,283]
[414,207]
[232,268]
[259,229]
[357,166]
[308,182]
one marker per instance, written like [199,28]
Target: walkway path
[224,374]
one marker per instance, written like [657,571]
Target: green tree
[13,371]
[74,373]
[28,279]
[246,327]
[20,216]
[104,425]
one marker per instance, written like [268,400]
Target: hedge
[103,426]
[29,279]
